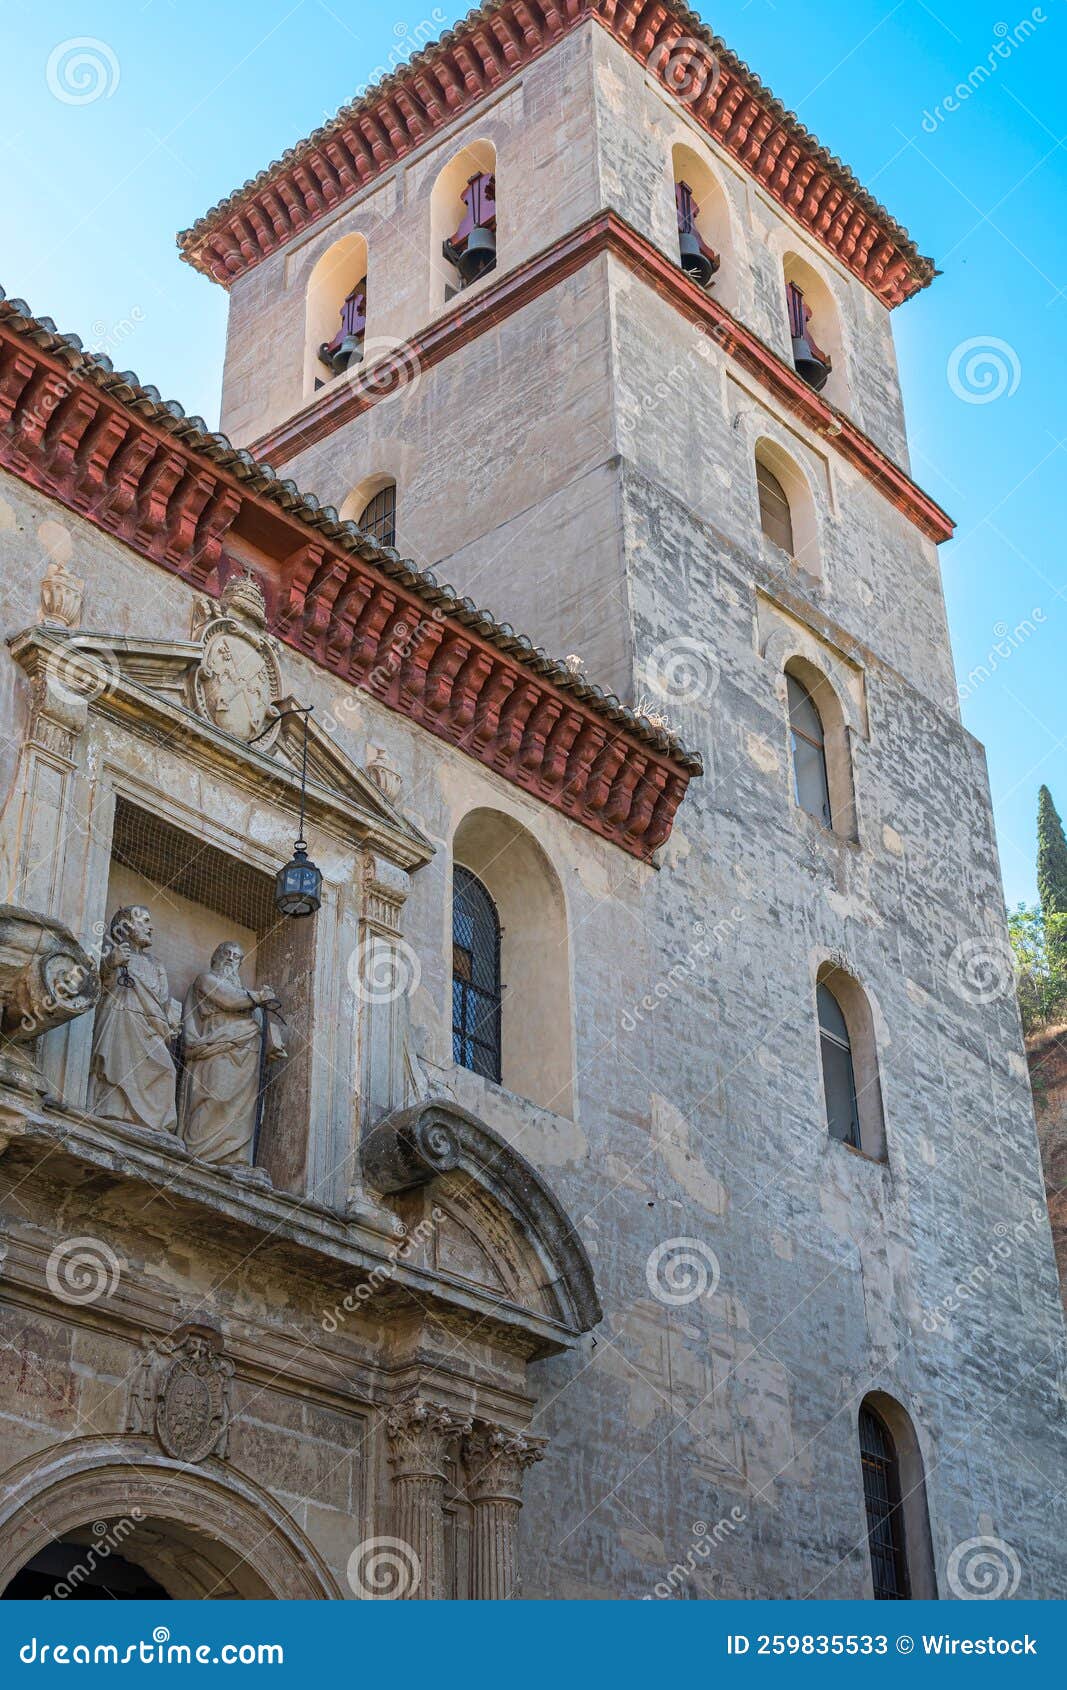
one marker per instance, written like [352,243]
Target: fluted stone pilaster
[419,1434]
[496,1461]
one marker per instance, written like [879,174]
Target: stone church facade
[624,1182]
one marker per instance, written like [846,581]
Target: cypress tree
[1052,875]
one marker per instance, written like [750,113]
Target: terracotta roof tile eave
[191,241]
[259,478]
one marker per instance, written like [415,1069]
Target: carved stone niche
[181,1394]
[46,978]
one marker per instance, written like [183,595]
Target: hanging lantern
[298,886]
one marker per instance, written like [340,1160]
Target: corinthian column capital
[419,1433]
[496,1461]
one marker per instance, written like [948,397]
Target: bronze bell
[478,256]
[696,261]
[815,371]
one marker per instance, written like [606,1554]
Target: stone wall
[1047,1055]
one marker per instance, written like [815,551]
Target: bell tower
[566,283]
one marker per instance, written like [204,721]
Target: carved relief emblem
[237,681]
[186,1403]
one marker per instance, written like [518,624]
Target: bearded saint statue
[131,1070]
[224,1041]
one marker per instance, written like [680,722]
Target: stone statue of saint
[227,1042]
[132,1070]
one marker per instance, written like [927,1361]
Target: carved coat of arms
[237,682]
[183,1396]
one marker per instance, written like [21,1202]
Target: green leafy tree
[1052,876]
[1040,969]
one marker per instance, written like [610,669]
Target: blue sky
[198,96]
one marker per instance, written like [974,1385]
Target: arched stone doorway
[202,1534]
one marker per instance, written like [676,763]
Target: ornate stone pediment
[497,1223]
[219,696]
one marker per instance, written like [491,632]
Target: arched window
[703,216]
[776,519]
[335,313]
[848,1051]
[815,330]
[885,1512]
[476,989]
[533,1030]
[463,221]
[811,783]
[787,510]
[378,516]
[838,1071]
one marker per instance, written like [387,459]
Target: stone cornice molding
[138,468]
[414,1146]
[398,115]
[295,1232]
[608,233]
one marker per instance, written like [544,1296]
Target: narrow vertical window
[810,780]
[378,516]
[885,1514]
[776,519]
[476,987]
[838,1073]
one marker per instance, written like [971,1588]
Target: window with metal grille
[885,1513]
[811,783]
[378,517]
[776,519]
[838,1073]
[475,976]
